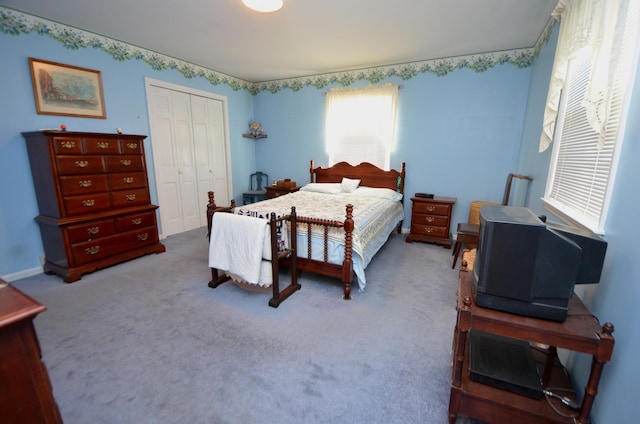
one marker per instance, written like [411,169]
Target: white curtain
[591,24]
[361,124]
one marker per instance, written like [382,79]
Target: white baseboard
[22,274]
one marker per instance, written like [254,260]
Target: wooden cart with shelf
[580,332]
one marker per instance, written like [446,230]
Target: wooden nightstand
[273,191]
[431,220]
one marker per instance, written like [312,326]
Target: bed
[344,216]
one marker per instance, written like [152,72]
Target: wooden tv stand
[580,332]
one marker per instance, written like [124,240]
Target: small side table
[274,191]
[431,220]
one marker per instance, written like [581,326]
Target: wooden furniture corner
[27,395]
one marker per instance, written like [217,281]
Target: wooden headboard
[368,174]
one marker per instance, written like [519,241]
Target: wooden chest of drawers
[93,198]
[431,220]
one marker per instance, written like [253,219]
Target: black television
[529,267]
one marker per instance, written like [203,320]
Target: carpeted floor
[148,342]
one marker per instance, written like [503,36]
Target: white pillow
[349,185]
[383,193]
[327,188]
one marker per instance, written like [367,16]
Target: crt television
[528,267]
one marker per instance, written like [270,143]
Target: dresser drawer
[98,146]
[124,181]
[429,230]
[432,220]
[431,208]
[76,165]
[131,147]
[124,163]
[89,203]
[93,230]
[67,146]
[127,198]
[94,250]
[83,184]
[130,222]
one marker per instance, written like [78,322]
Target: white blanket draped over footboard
[241,245]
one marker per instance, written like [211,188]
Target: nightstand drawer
[431,208]
[436,221]
[429,230]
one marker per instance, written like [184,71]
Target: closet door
[210,149]
[188,137]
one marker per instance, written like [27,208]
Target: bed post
[211,206]
[311,166]
[401,190]
[347,264]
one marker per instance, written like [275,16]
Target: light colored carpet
[148,342]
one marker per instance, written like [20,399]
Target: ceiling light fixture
[263,5]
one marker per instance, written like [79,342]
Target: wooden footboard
[344,272]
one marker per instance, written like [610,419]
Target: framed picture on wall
[67,90]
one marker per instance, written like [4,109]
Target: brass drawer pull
[125,162]
[88,203]
[429,230]
[130,197]
[93,230]
[143,237]
[92,250]
[103,145]
[429,219]
[85,183]
[82,163]
[68,144]
[136,221]
[132,145]
[128,180]
[431,208]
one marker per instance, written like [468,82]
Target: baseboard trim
[22,274]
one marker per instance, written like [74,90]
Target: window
[591,113]
[361,124]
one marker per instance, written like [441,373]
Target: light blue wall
[125,99]
[615,298]
[459,134]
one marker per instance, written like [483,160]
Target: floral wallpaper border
[16,23]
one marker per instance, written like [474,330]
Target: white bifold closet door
[189,141]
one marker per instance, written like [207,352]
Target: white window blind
[583,162]
[361,124]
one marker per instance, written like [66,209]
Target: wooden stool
[467,234]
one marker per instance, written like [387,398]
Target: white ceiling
[306,37]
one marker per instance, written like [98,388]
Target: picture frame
[67,90]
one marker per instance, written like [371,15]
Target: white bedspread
[374,220]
